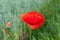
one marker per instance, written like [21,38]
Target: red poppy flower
[33,19]
[8,24]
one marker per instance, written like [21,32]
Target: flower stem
[30,34]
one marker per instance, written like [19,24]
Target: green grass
[10,10]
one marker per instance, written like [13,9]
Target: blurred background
[12,28]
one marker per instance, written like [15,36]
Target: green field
[10,11]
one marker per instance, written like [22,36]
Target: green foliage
[10,10]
